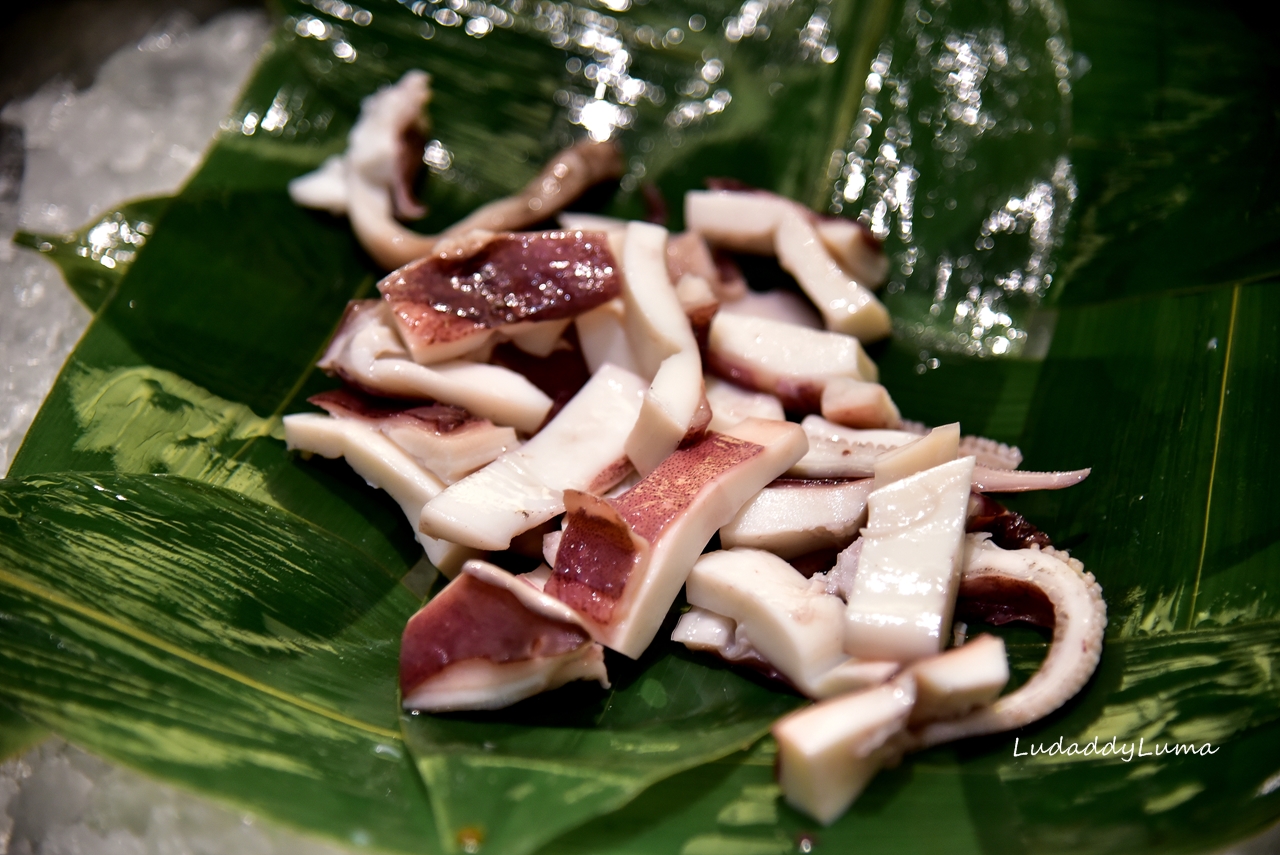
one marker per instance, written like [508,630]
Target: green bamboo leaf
[959,160]
[1174,146]
[1163,323]
[1162,380]
[150,420]
[94,259]
[110,411]
[17,733]
[199,635]
[515,779]
[982,798]
[1240,548]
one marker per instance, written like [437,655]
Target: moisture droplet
[470,839]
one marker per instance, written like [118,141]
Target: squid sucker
[994,577]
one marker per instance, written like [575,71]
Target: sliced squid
[1008,530]
[675,411]
[776,305]
[565,177]
[488,640]
[662,340]
[1044,586]
[1016,584]
[733,285]
[699,302]
[791,623]
[698,292]
[582,448]
[621,562]
[577,220]
[996,469]
[987,452]
[846,305]
[764,223]
[449,303]
[538,338]
[689,255]
[854,248]
[904,593]
[735,220]
[704,630]
[655,320]
[382,464]
[839,579]
[955,693]
[836,451]
[656,323]
[828,752]
[792,362]
[959,680]
[859,404]
[989,480]
[794,516]
[324,189]
[448,441]
[731,404]
[368,353]
[746,219]
[602,335]
[371,181]
[935,448]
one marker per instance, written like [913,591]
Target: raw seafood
[580,449]
[449,303]
[827,753]
[1078,615]
[792,362]
[764,223]
[448,441]
[621,562]
[788,621]
[709,449]
[794,516]
[371,181]
[903,595]
[382,464]
[479,645]
[368,353]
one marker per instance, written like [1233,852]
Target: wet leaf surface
[138,630]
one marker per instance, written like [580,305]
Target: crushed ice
[139,130]
[65,158]
[57,800]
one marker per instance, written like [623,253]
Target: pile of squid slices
[610,397]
